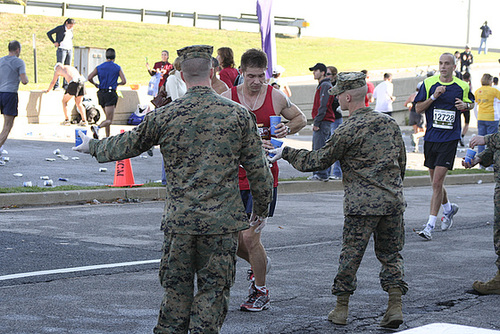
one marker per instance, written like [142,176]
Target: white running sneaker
[447,220]
[425,233]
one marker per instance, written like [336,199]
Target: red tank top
[263,122]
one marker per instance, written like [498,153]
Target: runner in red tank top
[264,101]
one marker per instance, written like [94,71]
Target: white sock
[431,223]
[446,207]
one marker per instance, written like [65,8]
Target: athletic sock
[431,223]
[261,288]
[446,207]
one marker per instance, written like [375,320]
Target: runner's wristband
[433,98]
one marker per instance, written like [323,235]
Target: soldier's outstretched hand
[84,147]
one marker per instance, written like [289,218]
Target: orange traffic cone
[124,176]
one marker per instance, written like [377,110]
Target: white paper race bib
[443,119]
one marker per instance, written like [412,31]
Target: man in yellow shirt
[485,97]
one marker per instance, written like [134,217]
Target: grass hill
[135,41]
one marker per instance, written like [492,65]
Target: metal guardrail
[299,23]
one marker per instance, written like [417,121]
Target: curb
[155,193]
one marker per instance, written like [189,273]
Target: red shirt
[262,115]
[371,88]
[161,65]
[228,75]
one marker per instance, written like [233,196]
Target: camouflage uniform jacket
[491,155]
[372,155]
[203,139]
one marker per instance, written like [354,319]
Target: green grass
[135,41]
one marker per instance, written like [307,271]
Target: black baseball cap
[318,66]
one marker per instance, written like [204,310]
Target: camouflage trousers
[212,259]
[496,226]
[389,236]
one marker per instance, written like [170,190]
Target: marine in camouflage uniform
[372,156]
[203,138]
[489,156]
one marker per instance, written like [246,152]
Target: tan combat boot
[339,315]
[492,287]
[393,317]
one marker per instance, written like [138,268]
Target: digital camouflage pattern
[389,237]
[196,51]
[372,156]
[215,264]
[203,138]
[348,81]
[491,155]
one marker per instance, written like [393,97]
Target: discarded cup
[48,183]
[44,177]
[63,179]
[274,120]
[50,159]
[28,184]
[6,159]
[75,158]
[103,170]
[57,151]
[2,163]
[18,174]
[469,155]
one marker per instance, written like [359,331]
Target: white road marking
[76,269]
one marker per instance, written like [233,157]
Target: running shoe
[447,220]
[257,301]
[95,131]
[425,233]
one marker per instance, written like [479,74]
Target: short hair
[253,58]
[14,45]
[364,71]
[69,21]
[387,75]
[110,53]
[466,76]
[168,54]
[486,79]
[495,81]
[57,65]
[227,57]
[450,55]
[196,69]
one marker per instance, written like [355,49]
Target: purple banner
[266,21]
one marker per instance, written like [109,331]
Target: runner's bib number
[443,119]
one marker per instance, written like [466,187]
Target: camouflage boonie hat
[195,51]
[348,81]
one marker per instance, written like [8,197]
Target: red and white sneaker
[257,301]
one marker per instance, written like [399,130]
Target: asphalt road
[303,241]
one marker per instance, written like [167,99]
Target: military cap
[348,81]
[195,51]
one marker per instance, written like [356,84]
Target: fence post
[63,7]
[220,22]
[25,7]
[103,10]
[195,16]
[143,12]
[169,16]
[34,59]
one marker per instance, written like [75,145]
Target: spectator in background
[485,33]
[228,73]
[383,93]
[218,85]
[457,60]
[415,120]
[466,113]
[163,67]
[331,73]
[108,74]
[466,60]
[76,88]
[323,116]
[176,87]
[64,44]
[485,97]
[277,81]
[12,71]
[496,102]
[371,87]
